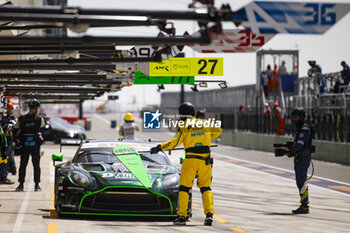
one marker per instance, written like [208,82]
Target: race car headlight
[79,178]
[171,180]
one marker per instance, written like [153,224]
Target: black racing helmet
[187,108]
[33,103]
[299,112]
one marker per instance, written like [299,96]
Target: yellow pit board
[176,66]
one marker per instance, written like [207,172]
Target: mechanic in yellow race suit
[196,141]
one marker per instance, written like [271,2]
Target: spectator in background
[275,78]
[345,73]
[295,69]
[269,78]
[264,81]
[241,110]
[282,69]
[280,115]
[267,110]
[336,87]
[267,118]
[316,72]
[241,117]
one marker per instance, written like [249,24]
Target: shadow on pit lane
[278,213]
[127,221]
[131,220]
[106,218]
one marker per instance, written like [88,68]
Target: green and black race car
[117,178]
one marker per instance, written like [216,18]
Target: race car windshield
[106,155]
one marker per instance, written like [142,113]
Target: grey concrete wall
[325,150]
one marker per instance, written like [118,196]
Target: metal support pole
[81,110]
[182,94]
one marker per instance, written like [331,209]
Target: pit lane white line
[18,224]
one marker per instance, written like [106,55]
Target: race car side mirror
[57,157]
[181,160]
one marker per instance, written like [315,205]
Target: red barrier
[72,119]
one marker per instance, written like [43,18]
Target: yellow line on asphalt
[250,165]
[315,180]
[340,187]
[231,161]
[236,229]
[274,171]
[52,167]
[194,204]
[52,187]
[52,198]
[218,218]
[52,228]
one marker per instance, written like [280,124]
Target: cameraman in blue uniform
[301,150]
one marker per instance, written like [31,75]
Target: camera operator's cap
[312,63]
[299,112]
[10,105]
[33,103]
[275,104]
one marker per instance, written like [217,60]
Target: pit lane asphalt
[250,195]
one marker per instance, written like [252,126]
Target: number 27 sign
[212,66]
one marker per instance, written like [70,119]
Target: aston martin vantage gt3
[117,178]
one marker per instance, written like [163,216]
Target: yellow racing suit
[196,141]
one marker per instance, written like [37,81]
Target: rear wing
[71,141]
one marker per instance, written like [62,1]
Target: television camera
[280,149]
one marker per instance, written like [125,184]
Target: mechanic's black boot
[208,219]
[180,220]
[37,188]
[6,181]
[20,187]
[301,210]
